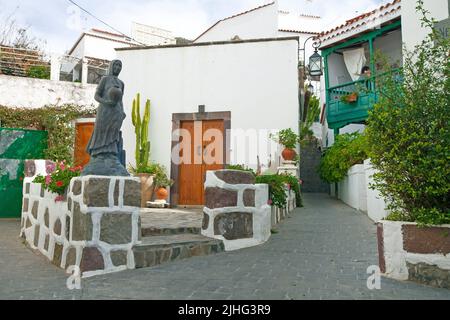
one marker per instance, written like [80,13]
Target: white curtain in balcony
[355,60]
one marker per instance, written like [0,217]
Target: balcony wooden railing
[350,102]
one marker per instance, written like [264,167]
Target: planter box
[408,252]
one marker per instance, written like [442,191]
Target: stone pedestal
[95,229]
[236,210]
[289,167]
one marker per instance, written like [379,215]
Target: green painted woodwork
[16,146]
[339,113]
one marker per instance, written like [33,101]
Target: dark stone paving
[321,252]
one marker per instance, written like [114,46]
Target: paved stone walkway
[321,252]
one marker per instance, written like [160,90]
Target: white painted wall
[102,48]
[95,47]
[260,23]
[256,81]
[36,93]
[355,191]
[352,190]
[412,31]
[376,206]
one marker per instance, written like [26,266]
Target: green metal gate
[16,146]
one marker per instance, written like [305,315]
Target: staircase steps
[156,250]
[170,235]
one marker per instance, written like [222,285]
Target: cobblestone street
[321,252]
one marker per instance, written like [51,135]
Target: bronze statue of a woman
[106,144]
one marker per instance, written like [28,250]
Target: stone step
[157,250]
[165,222]
[152,231]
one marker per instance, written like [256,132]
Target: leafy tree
[409,133]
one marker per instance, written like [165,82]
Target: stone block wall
[236,209]
[409,252]
[94,229]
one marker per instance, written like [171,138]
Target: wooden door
[213,156]
[83,133]
[206,153]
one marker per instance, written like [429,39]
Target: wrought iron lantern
[315,62]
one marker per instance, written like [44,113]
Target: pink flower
[270,202]
[62,166]
[48,180]
[51,168]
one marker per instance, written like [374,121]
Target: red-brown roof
[360,20]
[297,31]
[234,16]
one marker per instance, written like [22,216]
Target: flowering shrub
[58,178]
[277,189]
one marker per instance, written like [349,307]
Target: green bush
[39,72]
[347,151]
[409,134]
[277,188]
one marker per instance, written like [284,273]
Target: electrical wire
[100,20]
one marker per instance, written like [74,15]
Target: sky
[59,23]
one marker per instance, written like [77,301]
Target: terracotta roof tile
[361,20]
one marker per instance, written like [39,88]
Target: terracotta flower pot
[147,188]
[353,97]
[162,194]
[289,154]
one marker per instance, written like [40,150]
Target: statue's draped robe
[107,137]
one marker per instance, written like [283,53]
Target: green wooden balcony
[344,109]
[350,103]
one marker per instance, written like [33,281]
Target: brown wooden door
[83,133]
[206,153]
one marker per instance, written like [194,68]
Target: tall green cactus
[141,130]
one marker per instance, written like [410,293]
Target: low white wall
[35,93]
[376,206]
[409,252]
[355,191]
[352,190]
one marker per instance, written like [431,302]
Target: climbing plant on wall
[56,120]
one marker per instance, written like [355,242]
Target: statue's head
[115,68]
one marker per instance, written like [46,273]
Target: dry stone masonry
[236,210]
[95,229]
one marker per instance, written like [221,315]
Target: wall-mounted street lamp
[315,65]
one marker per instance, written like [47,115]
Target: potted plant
[162,182]
[350,98]
[58,179]
[287,138]
[144,170]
